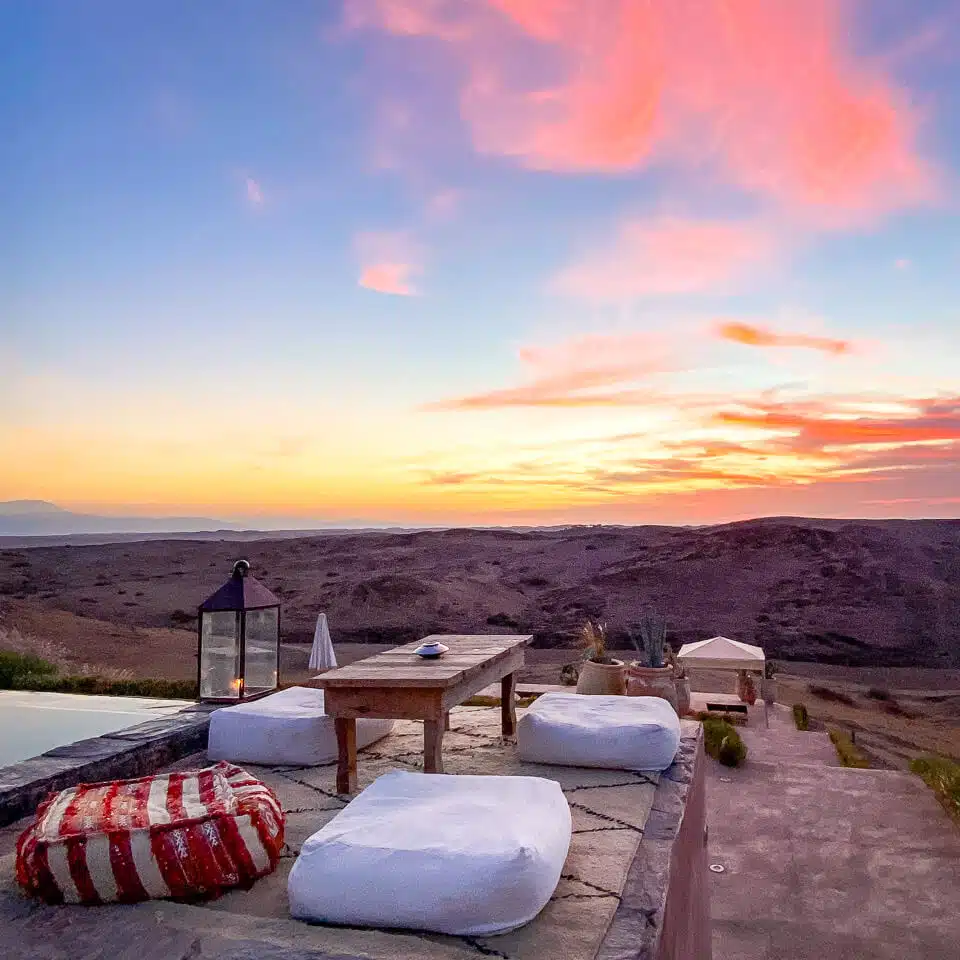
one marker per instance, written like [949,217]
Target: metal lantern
[238,638]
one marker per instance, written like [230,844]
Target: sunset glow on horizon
[439,262]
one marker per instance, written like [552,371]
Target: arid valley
[846,606]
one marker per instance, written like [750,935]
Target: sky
[481,261]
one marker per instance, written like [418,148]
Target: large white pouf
[287,727]
[621,733]
[461,855]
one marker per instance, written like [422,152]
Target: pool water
[32,723]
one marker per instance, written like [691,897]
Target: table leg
[508,704]
[432,746]
[346,729]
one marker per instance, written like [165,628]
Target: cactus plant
[653,634]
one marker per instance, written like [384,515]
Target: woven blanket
[181,835]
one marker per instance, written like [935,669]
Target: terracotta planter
[601,678]
[682,686]
[652,682]
[768,690]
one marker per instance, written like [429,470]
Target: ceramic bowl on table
[430,651]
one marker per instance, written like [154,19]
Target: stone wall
[134,752]
[664,913]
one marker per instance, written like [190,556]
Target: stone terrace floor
[610,809]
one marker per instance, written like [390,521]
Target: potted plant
[768,686]
[650,676]
[680,682]
[600,673]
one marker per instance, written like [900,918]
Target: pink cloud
[443,204]
[254,193]
[668,256]
[755,336]
[578,372]
[389,262]
[392,278]
[771,96]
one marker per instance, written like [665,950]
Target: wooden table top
[401,667]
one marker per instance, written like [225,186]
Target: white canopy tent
[722,653]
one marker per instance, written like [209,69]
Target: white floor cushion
[621,733]
[461,855]
[287,727]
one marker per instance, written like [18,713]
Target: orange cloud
[754,336]
[773,96]
[928,421]
[668,255]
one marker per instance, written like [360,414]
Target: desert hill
[863,593]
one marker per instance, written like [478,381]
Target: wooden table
[400,685]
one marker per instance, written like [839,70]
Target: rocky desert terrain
[854,593]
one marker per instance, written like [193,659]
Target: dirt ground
[851,593]
[919,711]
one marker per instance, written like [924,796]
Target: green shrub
[734,719]
[878,693]
[90,684]
[723,743]
[800,716]
[847,751]
[942,776]
[14,666]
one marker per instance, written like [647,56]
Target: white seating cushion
[461,855]
[287,727]
[621,733]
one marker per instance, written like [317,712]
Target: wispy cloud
[577,373]
[755,336]
[668,255]
[389,262]
[254,193]
[774,97]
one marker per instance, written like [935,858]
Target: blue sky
[429,261]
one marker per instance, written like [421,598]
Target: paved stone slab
[609,811]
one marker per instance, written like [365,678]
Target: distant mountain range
[42,518]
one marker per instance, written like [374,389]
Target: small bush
[800,716]
[182,616]
[735,719]
[876,693]
[93,684]
[723,743]
[501,620]
[847,751]
[14,666]
[825,693]
[942,776]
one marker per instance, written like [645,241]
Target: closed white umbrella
[322,656]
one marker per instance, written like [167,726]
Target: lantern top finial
[241,568]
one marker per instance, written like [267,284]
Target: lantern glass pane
[220,655]
[260,655]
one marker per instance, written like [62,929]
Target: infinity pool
[32,723]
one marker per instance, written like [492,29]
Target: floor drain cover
[717,868]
